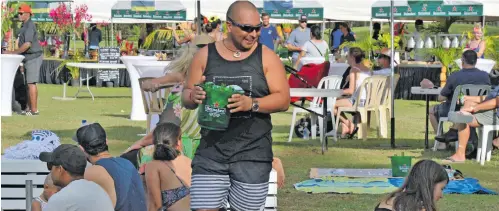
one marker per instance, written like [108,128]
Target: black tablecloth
[412,76]
[48,74]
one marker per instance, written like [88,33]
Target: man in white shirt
[67,165]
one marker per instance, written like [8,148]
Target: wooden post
[443,76]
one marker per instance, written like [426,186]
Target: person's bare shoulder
[95,173]
[269,57]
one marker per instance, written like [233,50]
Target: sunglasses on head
[245,27]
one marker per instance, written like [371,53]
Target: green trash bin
[401,165]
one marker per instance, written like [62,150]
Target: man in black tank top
[235,164]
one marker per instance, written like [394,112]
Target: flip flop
[451,160]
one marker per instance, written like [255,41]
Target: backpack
[306,122]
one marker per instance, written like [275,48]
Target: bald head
[240,7]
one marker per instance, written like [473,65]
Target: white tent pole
[370,34]
[112,34]
[392,66]
[483,22]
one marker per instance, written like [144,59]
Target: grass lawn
[112,107]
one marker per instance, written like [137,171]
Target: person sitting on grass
[484,113]
[49,189]
[116,175]
[67,164]
[421,190]
[168,176]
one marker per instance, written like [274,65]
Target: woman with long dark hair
[316,47]
[168,176]
[421,190]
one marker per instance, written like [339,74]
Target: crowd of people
[231,166]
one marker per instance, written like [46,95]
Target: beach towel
[381,186]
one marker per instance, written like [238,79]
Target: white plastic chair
[467,89]
[328,82]
[484,151]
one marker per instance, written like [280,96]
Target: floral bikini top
[172,196]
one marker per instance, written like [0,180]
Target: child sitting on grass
[49,189]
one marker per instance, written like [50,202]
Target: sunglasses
[245,27]
[20,13]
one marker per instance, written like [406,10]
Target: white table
[91,66]
[138,113]
[153,69]
[421,91]
[10,63]
[324,94]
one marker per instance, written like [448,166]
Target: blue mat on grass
[381,186]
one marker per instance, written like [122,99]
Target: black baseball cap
[303,18]
[90,136]
[69,156]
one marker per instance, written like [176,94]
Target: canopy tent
[41,8]
[291,9]
[150,10]
[419,9]
[428,10]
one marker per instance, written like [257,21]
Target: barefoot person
[237,162]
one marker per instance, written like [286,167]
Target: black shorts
[244,183]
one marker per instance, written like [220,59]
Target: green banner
[154,15]
[295,13]
[433,9]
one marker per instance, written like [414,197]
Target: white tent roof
[352,10]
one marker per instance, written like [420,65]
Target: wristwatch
[255,106]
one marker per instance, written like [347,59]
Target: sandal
[350,136]
[451,160]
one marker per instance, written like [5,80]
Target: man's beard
[238,45]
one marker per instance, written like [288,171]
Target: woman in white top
[316,47]
[358,73]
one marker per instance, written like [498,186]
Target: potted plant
[69,23]
[447,58]
[8,13]
[74,72]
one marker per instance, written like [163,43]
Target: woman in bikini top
[168,175]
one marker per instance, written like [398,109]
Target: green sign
[295,13]
[154,15]
[428,9]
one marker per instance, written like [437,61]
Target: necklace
[236,54]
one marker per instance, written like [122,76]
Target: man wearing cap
[67,165]
[117,176]
[298,38]
[33,56]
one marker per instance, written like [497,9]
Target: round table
[137,113]
[10,63]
